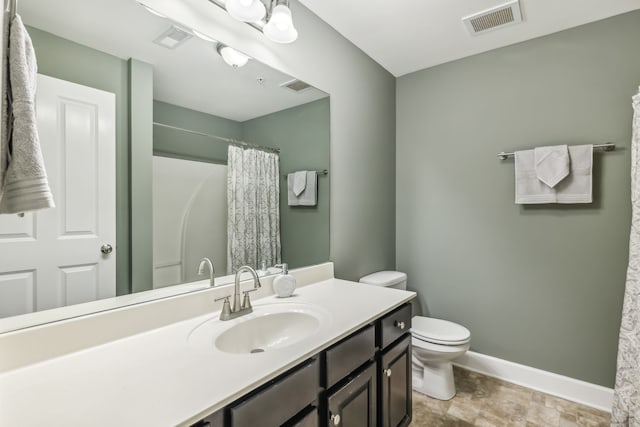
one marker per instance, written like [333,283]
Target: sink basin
[267,332]
[270,327]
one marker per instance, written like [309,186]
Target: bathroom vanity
[336,353]
[364,380]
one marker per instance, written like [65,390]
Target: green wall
[538,285]
[172,143]
[66,60]
[302,134]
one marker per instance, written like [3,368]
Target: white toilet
[435,344]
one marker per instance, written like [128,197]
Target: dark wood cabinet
[308,418]
[354,403]
[395,385]
[362,381]
[281,400]
[348,355]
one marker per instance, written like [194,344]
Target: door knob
[106,248]
[335,418]
[387,372]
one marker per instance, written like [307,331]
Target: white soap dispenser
[284,284]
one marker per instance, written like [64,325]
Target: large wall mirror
[201,105]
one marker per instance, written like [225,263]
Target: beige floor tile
[567,420]
[483,401]
[542,415]
[562,405]
[589,417]
[463,410]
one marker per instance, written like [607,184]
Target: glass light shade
[232,57]
[280,27]
[246,10]
[281,17]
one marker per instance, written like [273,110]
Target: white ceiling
[409,35]
[192,75]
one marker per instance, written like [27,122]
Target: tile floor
[486,401]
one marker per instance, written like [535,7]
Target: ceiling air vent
[173,37]
[295,85]
[497,17]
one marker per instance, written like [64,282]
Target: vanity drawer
[279,402]
[394,325]
[349,354]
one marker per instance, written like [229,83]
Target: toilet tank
[391,279]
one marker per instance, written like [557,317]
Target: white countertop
[159,378]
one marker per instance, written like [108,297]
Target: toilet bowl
[435,344]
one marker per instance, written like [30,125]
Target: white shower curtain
[626,407]
[253,216]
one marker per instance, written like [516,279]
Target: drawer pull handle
[387,372]
[400,324]
[335,418]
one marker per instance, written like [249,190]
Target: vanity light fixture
[279,28]
[271,17]
[231,56]
[246,10]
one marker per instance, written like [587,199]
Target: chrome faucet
[207,262]
[236,310]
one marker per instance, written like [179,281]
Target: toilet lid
[439,331]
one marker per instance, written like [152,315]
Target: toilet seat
[438,331]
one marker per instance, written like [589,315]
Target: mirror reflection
[216,128]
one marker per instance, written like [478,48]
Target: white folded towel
[578,186]
[309,197]
[299,182]
[552,164]
[25,185]
[575,188]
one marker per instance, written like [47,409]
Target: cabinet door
[395,379]
[354,404]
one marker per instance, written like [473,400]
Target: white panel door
[52,258]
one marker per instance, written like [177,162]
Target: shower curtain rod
[221,138]
[607,146]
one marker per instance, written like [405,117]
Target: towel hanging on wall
[575,188]
[23,179]
[309,195]
[552,164]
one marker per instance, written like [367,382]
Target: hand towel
[299,182]
[25,186]
[578,186]
[529,189]
[575,188]
[552,164]
[309,197]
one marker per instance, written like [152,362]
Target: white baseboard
[585,393]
